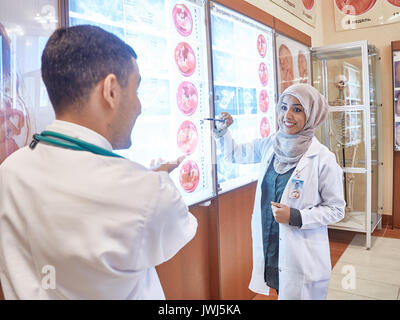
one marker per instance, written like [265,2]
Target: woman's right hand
[228,118]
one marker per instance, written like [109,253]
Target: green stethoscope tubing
[67,142]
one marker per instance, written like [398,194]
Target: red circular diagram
[265,128]
[187,137]
[263,100]
[187,98]
[189,176]
[263,73]
[394,2]
[262,45]
[308,4]
[185,59]
[182,19]
[355,7]
[12,123]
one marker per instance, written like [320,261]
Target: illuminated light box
[244,86]
[169,38]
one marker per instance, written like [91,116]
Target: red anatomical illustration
[303,67]
[182,19]
[394,2]
[308,4]
[263,73]
[265,128]
[285,67]
[187,98]
[189,176]
[263,100]
[11,123]
[187,137]
[355,7]
[185,59]
[262,45]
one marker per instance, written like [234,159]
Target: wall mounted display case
[244,86]
[347,75]
[169,37]
[24,105]
[293,62]
[178,91]
[396,98]
[395,46]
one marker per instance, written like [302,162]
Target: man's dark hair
[75,59]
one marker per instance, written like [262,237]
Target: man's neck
[85,121]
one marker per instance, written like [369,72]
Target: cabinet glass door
[347,76]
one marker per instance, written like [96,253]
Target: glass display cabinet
[396,98]
[347,75]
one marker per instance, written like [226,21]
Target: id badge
[296,189]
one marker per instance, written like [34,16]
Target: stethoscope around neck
[67,142]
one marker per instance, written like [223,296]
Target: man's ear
[111,91]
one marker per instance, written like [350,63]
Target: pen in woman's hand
[214,119]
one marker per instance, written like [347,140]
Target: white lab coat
[101,223]
[304,255]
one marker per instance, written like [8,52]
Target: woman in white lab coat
[299,193]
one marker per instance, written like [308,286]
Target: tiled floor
[360,274]
[367,274]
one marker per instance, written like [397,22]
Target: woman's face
[292,117]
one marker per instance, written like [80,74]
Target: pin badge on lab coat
[296,189]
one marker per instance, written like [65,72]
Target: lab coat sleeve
[243,153]
[168,228]
[330,185]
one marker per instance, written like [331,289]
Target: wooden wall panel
[396,168]
[395,45]
[193,272]
[396,190]
[287,30]
[235,210]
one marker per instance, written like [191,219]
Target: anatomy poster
[168,37]
[25,108]
[293,62]
[244,86]
[303,9]
[355,14]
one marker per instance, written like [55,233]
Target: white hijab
[289,148]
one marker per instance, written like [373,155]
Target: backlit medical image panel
[25,108]
[168,37]
[244,86]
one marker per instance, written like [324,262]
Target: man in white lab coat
[87,224]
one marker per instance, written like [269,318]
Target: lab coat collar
[79,132]
[313,149]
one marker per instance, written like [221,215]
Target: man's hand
[227,117]
[281,212]
[166,166]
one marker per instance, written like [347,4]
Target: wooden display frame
[395,46]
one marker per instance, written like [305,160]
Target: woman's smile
[289,124]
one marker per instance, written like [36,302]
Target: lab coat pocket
[316,254]
[291,284]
